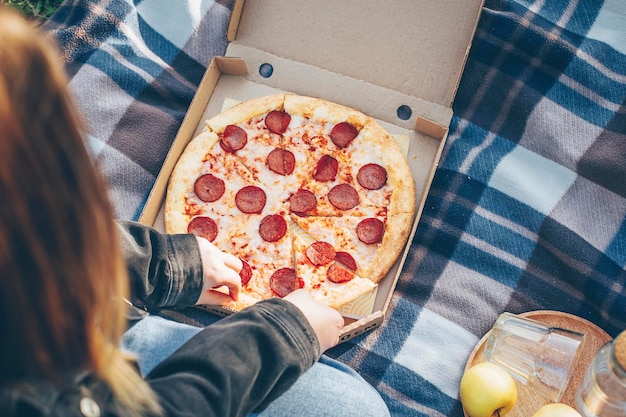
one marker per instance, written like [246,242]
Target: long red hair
[62,278]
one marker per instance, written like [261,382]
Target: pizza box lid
[415,49]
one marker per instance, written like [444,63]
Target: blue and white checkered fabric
[528,206]
[134,68]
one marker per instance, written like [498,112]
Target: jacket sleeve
[239,364]
[164,270]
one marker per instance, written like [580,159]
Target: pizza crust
[182,180]
[397,230]
[316,109]
[338,295]
[245,111]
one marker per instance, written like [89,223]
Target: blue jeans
[329,388]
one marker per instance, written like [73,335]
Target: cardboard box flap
[304,79]
[418,47]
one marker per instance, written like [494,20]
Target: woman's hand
[220,271]
[222,284]
[326,321]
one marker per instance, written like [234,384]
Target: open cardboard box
[398,62]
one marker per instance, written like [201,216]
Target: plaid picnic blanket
[527,209]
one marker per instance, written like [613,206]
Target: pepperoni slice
[372,176]
[250,199]
[277,121]
[245,273]
[343,134]
[234,138]
[343,196]
[345,259]
[320,253]
[326,169]
[284,281]
[225,147]
[337,274]
[272,227]
[204,227]
[281,161]
[370,230]
[302,202]
[209,188]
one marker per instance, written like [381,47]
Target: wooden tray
[528,401]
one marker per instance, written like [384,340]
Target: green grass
[35,9]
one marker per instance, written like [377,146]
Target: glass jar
[602,392]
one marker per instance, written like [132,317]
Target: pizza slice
[257,140]
[379,170]
[263,243]
[204,184]
[327,280]
[370,244]
[368,177]
[317,132]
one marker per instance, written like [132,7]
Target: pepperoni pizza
[307,193]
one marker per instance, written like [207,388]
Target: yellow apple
[556,410]
[487,390]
